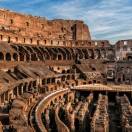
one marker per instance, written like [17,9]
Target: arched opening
[85,52]
[8,57]
[15,57]
[27,57]
[90,82]
[103,54]
[9,39]
[110,54]
[129,58]
[24,40]
[63,53]
[51,41]
[21,57]
[33,57]
[1,37]
[11,21]
[45,41]
[98,82]
[27,24]
[38,42]
[63,78]
[73,77]
[91,53]
[97,54]
[63,71]
[68,77]
[16,38]
[1,56]
[31,40]
[68,71]
[94,81]
[80,54]
[59,57]
[119,80]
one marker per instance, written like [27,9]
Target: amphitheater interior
[55,78]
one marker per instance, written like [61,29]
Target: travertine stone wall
[31,26]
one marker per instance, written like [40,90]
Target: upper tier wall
[27,25]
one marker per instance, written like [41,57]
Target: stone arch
[21,56]
[68,53]
[1,56]
[85,53]
[30,86]
[1,37]
[29,49]
[33,54]
[39,53]
[53,53]
[91,53]
[110,54]
[129,58]
[9,39]
[79,54]
[90,82]
[103,53]
[68,77]
[63,78]
[73,77]
[25,87]
[8,57]
[15,47]
[63,52]
[46,54]
[22,52]
[34,57]
[59,56]
[63,71]
[97,54]
[15,57]
[55,100]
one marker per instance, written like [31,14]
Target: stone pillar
[6,96]
[17,91]
[3,98]
[0,99]
[21,89]
[26,88]
[32,87]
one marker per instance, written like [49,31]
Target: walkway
[101,87]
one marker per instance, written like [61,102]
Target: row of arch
[8,56]
[19,90]
[38,53]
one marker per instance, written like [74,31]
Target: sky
[107,19]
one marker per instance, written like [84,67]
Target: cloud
[107,19]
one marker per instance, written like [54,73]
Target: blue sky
[107,19]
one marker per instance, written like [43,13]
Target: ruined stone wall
[27,25]
[123,49]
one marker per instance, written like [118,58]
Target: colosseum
[55,78]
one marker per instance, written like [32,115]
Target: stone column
[17,91]
[21,89]
[26,88]
[6,96]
